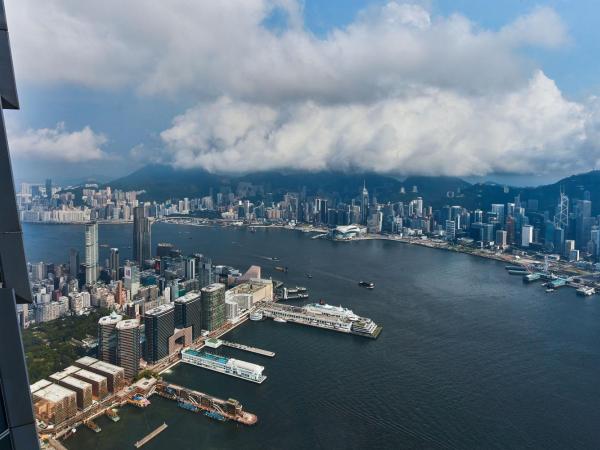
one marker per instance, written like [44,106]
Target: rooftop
[247,288]
[90,375]
[162,309]
[54,393]
[75,382]
[65,373]
[108,368]
[213,287]
[128,324]
[87,361]
[190,296]
[39,385]
[113,319]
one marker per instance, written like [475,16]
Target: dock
[196,401]
[247,348]
[151,435]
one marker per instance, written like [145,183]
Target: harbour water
[469,357]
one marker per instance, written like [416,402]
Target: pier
[229,409]
[216,343]
[151,435]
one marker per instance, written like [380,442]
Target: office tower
[73,262]
[131,279]
[188,313]
[364,205]
[501,238]
[498,209]
[141,235]
[107,338]
[91,253]
[213,306]
[526,235]
[583,223]
[114,263]
[561,216]
[128,346]
[450,228]
[190,267]
[48,188]
[160,324]
[17,423]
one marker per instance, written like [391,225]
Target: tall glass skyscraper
[141,235]
[17,424]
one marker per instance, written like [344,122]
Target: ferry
[228,366]
[586,291]
[530,277]
[366,284]
[256,316]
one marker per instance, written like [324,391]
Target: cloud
[397,90]
[431,131]
[211,49]
[57,144]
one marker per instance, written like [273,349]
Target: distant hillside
[482,195]
[163,182]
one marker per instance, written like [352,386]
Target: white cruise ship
[228,366]
[330,310]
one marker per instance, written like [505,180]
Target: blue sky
[376,86]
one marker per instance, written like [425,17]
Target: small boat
[215,415]
[279,319]
[366,284]
[281,269]
[308,275]
[550,290]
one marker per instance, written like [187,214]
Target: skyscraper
[91,253]
[141,235]
[128,346]
[107,337]
[114,263]
[48,188]
[213,306]
[73,262]
[364,205]
[188,313]
[159,326]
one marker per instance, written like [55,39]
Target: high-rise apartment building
[128,346]
[107,337]
[91,253]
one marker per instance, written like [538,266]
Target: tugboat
[366,284]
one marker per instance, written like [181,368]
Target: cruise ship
[322,315]
[229,366]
